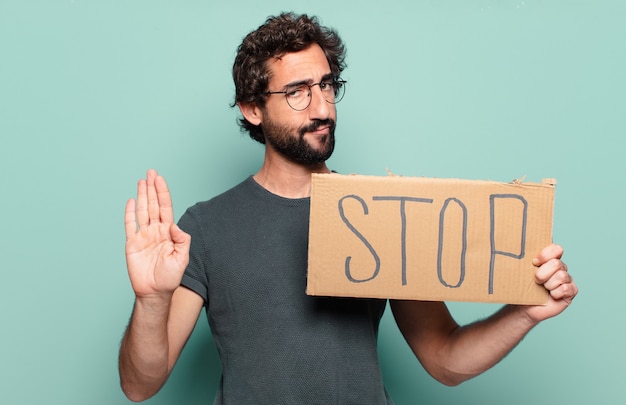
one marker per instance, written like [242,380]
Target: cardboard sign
[428,239]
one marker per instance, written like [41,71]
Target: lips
[321,131]
[318,127]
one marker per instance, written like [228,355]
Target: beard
[294,147]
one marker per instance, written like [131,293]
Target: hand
[553,275]
[157,250]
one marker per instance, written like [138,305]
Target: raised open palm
[157,251]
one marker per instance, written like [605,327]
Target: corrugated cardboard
[428,239]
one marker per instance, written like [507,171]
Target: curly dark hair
[279,35]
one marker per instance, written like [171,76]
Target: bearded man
[242,256]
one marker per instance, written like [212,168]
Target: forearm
[471,350]
[453,354]
[143,360]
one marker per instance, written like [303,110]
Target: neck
[285,178]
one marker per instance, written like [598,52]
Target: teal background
[93,93]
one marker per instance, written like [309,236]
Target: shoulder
[225,199]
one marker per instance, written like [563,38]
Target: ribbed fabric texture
[277,345]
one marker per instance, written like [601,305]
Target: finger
[142,204]
[566,291]
[552,251]
[180,238]
[182,243]
[153,200]
[166,212]
[130,221]
[557,279]
[549,269]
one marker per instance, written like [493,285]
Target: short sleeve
[195,277]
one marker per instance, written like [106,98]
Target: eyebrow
[327,76]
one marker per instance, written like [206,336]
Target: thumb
[552,251]
[181,239]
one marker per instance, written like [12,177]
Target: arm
[452,353]
[157,253]
[153,341]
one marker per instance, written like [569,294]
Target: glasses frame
[337,83]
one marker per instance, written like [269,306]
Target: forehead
[309,64]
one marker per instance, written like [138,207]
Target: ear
[251,112]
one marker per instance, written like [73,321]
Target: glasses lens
[340,90]
[299,104]
[299,98]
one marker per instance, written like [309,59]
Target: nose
[319,108]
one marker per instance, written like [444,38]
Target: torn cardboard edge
[432,239]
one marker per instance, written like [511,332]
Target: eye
[296,92]
[326,85]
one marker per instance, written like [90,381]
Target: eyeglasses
[299,96]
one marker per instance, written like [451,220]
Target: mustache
[316,124]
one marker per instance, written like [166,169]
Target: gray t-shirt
[277,345]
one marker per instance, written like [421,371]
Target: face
[306,137]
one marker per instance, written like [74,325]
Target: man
[243,256]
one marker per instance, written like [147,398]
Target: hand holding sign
[554,276]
